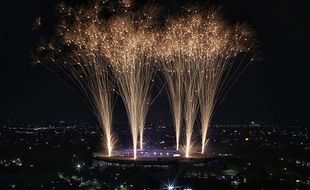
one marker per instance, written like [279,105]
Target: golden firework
[195,53]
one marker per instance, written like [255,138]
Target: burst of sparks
[127,3]
[82,39]
[127,49]
[195,53]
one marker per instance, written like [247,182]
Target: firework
[196,52]
[180,70]
[173,74]
[127,50]
[222,44]
[100,47]
[79,51]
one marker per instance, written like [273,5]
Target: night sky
[272,89]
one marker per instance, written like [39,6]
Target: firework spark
[180,71]
[173,74]
[197,52]
[79,52]
[99,47]
[216,60]
[127,49]
[126,3]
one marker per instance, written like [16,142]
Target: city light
[78,167]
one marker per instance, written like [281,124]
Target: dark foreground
[60,156]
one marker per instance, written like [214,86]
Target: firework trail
[79,52]
[221,45]
[173,75]
[127,49]
[197,54]
[180,70]
[119,45]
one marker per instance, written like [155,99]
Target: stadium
[152,158]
